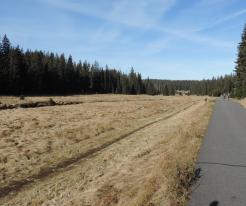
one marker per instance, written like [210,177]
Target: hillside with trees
[211,87]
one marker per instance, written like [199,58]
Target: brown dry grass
[80,98]
[138,170]
[243,102]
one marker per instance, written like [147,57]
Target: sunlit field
[107,150]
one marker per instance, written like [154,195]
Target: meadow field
[243,102]
[106,150]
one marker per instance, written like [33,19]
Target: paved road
[222,159]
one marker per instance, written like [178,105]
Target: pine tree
[133,81]
[240,86]
[85,77]
[4,64]
[5,46]
[17,72]
[139,84]
[61,72]
[172,90]
[166,91]
[150,89]
[2,77]
[69,75]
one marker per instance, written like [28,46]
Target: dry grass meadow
[109,150]
[243,102]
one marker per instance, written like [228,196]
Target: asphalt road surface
[222,159]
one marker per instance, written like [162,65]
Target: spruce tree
[240,86]
[4,64]
[172,90]
[69,74]
[2,78]
[17,71]
[166,91]
[5,46]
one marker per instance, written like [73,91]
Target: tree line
[210,87]
[38,72]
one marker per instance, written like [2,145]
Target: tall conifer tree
[5,63]
[240,86]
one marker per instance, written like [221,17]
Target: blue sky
[164,39]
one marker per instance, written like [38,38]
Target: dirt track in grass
[43,142]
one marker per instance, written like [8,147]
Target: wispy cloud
[139,13]
[131,13]
[224,19]
[205,3]
[142,14]
[171,37]
[194,37]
